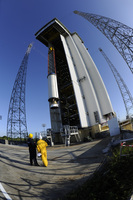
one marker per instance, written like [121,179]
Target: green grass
[113,182]
[13,139]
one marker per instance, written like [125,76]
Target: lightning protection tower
[127,98]
[16,120]
[120,35]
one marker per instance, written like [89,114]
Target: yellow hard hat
[30,135]
[51,48]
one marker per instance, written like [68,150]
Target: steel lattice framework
[16,120]
[118,33]
[127,98]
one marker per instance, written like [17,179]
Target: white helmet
[40,137]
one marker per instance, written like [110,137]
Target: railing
[123,143]
[66,133]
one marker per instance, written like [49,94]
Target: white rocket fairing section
[53,95]
[52,80]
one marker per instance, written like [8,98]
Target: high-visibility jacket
[41,148]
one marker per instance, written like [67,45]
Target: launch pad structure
[77,94]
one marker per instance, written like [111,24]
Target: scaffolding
[68,105]
[67,132]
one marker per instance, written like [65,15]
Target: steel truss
[127,98]
[118,33]
[16,120]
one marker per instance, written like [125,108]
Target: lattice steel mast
[16,120]
[118,33]
[127,98]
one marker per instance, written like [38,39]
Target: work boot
[37,164]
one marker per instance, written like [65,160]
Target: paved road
[68,167]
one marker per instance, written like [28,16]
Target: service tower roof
[51,31]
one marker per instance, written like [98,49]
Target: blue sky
[20,20]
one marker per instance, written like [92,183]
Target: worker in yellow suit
[41,148]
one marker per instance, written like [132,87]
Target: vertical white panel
[101,92]
[85,83]
[84,119]
[113,127]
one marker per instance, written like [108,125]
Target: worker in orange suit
[41,148]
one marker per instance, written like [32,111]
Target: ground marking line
[4,192]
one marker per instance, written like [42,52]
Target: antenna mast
[127,98]
[16,120]
[120,35]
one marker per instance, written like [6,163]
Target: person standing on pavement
[41,147]
[32,150]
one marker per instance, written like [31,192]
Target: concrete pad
[68,167]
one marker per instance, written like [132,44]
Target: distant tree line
[9,138]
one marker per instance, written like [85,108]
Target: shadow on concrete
[68,178]
[92,155]
[13,161]
[33,189]
[25,190]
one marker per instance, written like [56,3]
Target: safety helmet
[40,137]
[30,135]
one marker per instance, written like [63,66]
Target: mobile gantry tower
[77,94]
